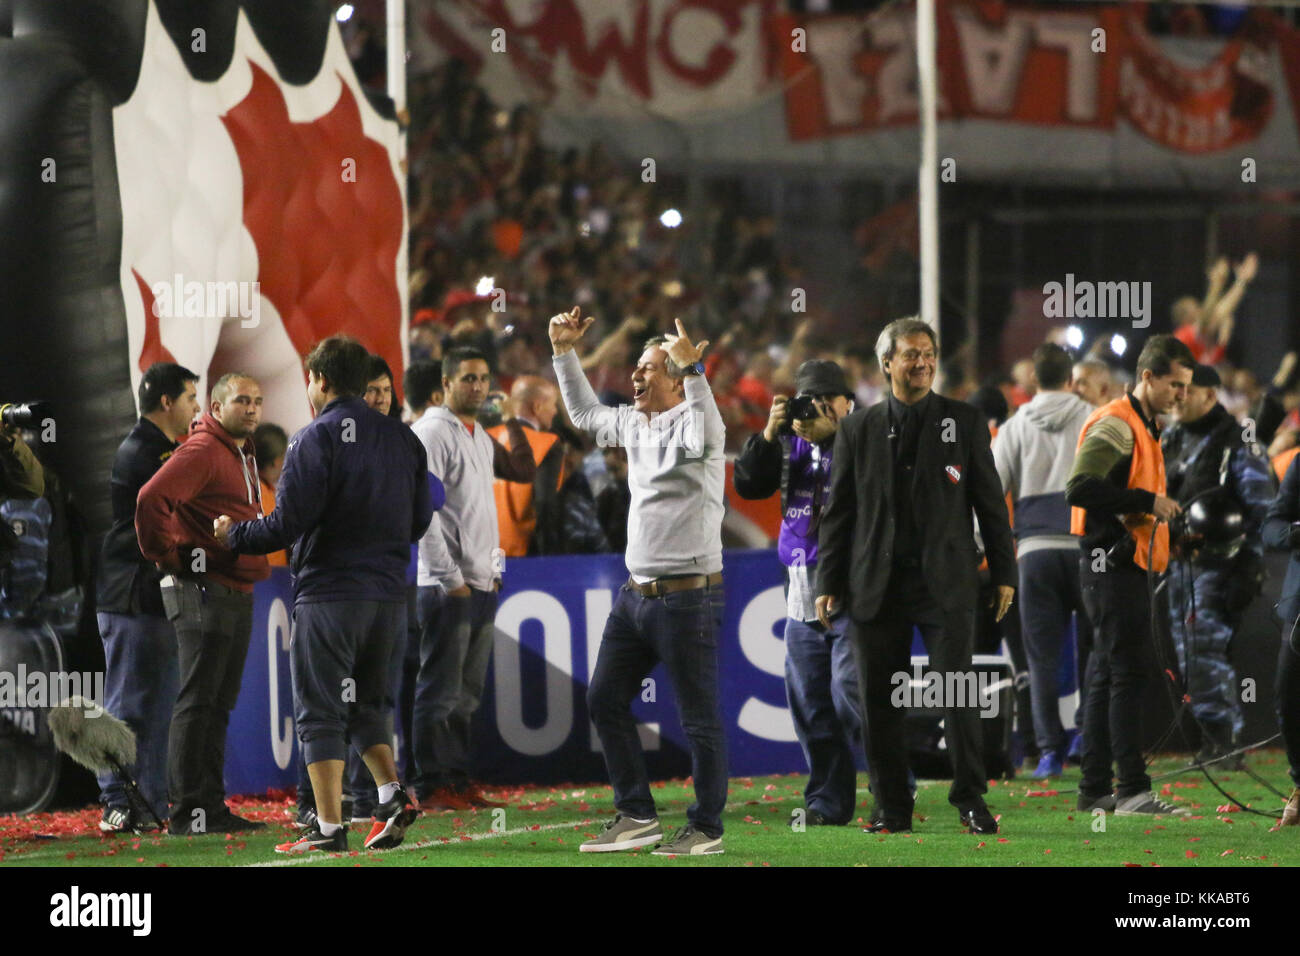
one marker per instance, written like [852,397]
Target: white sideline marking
[317,856]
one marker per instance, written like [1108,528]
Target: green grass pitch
[542,826]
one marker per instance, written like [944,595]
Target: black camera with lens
[24,414]
[800,408]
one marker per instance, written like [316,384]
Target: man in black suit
[898,543]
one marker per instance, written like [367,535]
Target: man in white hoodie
[460,567]
[1034,452]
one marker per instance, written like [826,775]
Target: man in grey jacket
[670,609]
[460,565]
[1034,452]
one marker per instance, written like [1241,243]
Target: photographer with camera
[1121,514]
[21,475]
[1223,484]
[793,455]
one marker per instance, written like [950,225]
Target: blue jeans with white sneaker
[681,630]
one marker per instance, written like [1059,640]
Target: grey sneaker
[1147,804]
[624,833]
[689,841]
[1087,804]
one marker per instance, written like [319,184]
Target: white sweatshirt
[676,472]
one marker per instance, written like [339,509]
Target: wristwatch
[696,369]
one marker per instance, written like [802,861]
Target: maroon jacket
[207,476]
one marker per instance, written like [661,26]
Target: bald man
[1092,382]
[528,515]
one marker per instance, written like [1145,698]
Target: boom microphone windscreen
[91,735]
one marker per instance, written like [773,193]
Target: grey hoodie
[1034,453]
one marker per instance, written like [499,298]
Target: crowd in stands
[506,231]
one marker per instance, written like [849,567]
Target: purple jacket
[804,480]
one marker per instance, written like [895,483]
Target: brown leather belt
[661,586]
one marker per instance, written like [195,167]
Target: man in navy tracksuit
[354,494]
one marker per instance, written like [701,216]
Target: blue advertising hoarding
[532,725]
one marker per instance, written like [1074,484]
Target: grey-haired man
[670,609]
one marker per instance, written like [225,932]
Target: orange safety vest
[277,559]
[1282,461]
[1147,471]
[516,516]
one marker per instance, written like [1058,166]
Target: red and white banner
[996,61]
[670,58]
[1045,69]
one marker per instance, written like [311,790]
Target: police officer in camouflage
[1210,458]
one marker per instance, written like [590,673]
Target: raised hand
[1218,272]
[1248,267]
[566,328]
[680,349]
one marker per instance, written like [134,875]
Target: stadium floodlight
[344,13]
[485,285]
[671,218]
[1074,336]
[1118,344]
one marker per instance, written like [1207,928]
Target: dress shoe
[1106,803]
[978,819]
[888,825]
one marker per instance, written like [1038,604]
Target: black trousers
[1288,702]
[1119,607]
[883,649]
[212,642]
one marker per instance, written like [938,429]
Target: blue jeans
[141,680]
[821,686]
[681,630]
[1050,592]
[455,647]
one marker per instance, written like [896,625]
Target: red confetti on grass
[1190,855]
[1227,852]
